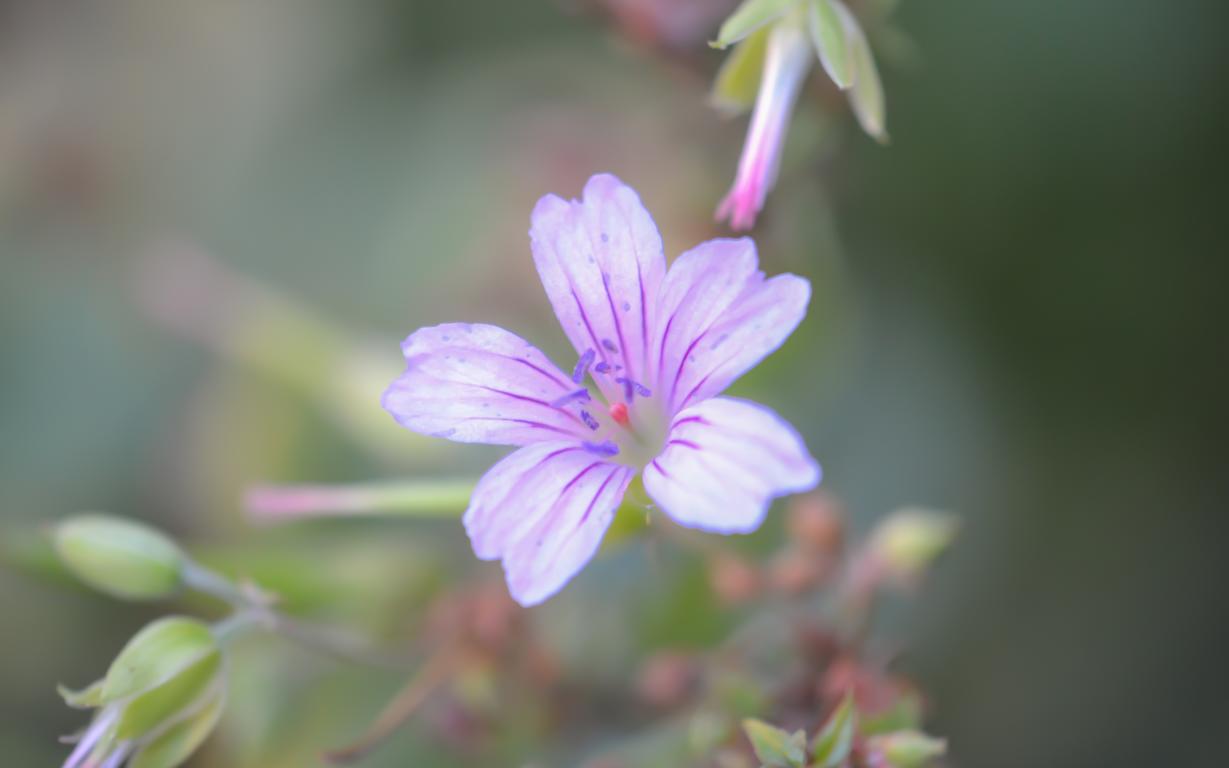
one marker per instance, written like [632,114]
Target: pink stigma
[618,412]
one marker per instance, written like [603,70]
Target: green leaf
[828,35]
[747,18]
[156,654]
[179,741]
[168,702]
[866,96]
[738,80]
[774,747]
[87,698]
[835,740]
[119,557]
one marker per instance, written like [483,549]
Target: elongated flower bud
[904,749]
[786,64]
[119,557]
[158,701]
[909,540]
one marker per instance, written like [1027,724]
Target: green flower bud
[906,749]
[910,539]
[156,698]
[119,557]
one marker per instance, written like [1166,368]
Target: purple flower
[658,346]
[785,68]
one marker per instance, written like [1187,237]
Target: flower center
[632,430]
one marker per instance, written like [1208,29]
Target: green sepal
[177,743]
[738,80]
[747,18]
[149,711]
[156,654]
[828,37]
[866,96]
[89,697]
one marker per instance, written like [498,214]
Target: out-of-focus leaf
[630,520]
[866,97]
[738,80]
[905,713]
[748,17]
[835,739]
[179,741]
[828,36]
[775,747]
[683,612]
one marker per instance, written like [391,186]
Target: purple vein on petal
[585,317]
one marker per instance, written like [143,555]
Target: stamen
[618,412]
[630,386]
[581,394]
[588,419]
[602,367]
[605,448]
[610,345]
[578,373]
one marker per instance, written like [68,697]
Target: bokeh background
[217,219]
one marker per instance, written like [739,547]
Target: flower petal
[723,464]
[601,262]
[543,510]
[718,318]
[481,384]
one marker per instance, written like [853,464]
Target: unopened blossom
[786,63]
[656,349]
[776,38]
[160,699]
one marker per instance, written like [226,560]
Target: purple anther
[610,345]
[588,419]
[582,365]
[602,367]
[630,387]
[581,394]
[605,448]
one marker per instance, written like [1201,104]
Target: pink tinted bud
[785,67]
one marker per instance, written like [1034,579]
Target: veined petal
[724,463]
[719,317]
[481,384]
[601,263]
[543,510]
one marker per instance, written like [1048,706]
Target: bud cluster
[164,693]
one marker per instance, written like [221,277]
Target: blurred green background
[1018,316]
